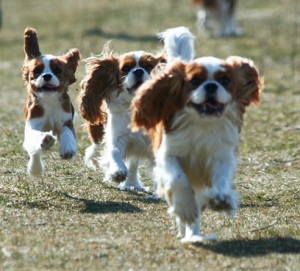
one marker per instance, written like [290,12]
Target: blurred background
[271,31]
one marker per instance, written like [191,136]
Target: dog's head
[206,88]
[214,85]
[45,74]
[134,69]
[110,74]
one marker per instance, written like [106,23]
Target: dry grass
[71,220]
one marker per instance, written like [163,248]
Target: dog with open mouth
[193,112]
[48,111]
[107,90]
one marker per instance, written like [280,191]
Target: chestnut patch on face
[127,63]
[57,67]
[148,62]
[223,77]
[195,74]
[36,68]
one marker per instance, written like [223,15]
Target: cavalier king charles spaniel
[223,11]
[48,110]
[193,112]
[106,94]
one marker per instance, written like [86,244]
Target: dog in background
[193,112]
[106,93]
[48,110]
[223,11]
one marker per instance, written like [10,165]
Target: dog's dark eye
[126,69]
[149,68]
[196,81]
[57,70]
[224,81]
[37,71]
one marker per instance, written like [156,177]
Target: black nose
[211,88]
[47,77]
[138,72]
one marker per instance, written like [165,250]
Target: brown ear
[248,83]
[101,79]
[73,57]
[31,44]
[162,57]
[158,99]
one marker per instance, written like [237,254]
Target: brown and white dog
[193,113]
[48,110]
[223,11]
[107,91]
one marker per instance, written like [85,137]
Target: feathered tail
[178,43]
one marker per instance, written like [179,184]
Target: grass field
[70,220]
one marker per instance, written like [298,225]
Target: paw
[199,238]
[117,175]
[91,156]
[224,202]
[67,150]
[68,155]
[47,141]
[131,185]
[185,206]
[35,165]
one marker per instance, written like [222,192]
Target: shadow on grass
[99,207]
[252,248]
[121,35]
[257,205]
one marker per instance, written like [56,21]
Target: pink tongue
[49,86]
[216,106]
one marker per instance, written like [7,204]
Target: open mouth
[47,88]
[135,87]
[209,108]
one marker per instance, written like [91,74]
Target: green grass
[70,220]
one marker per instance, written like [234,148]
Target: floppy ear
[248,83]
[158,99]
[31,44]
[161,57]
[71,58]
[101,79]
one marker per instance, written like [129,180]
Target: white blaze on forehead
[137,56]
[47,70]
[46,61]
[212,64]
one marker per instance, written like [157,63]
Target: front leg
[133,179]
[67,141]
[35,142]
[192,233]
[92,153]
[177,190]
[223,196]
[117,171]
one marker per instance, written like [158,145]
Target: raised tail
[178,43]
